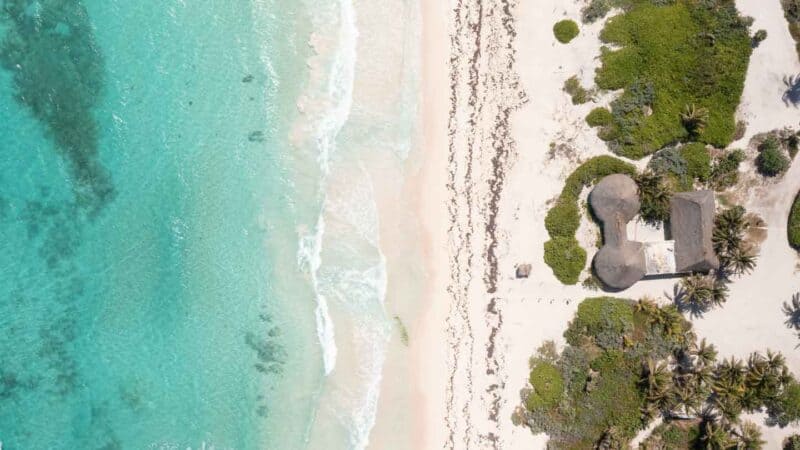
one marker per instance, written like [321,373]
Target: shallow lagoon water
[189,233]
[148,241]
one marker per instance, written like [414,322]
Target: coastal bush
[566,257]
[759,37]
[563,219]
[698,161]
[579,94]
[654,196]
[548,386]
[595,10]
[563,253]
[599,318]
[725,170]
[791,10]
[684,53]
[794,224]
[772,162]
[628,363]
[599,117]
[602,399]
[792,442]
[784,408]
[565,30]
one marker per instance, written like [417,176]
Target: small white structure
[659,258]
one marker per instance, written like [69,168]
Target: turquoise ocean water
[189,238]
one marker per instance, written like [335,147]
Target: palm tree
[698,293]
[739,261]
[714,436]
[749,435]
[705,353]
[730,227]
[656,379]
[694,118]
[792,312]
[645,306]
[654,195]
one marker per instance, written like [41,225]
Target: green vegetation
[682,166]
[566,257]
[563,253]
[627,363]
[791,10]
[698,161]
[565,30]
[654,195]
[771,160]
[673,435]
[794,224]
[595,10]
[792,442]
[578,93]
[725,169]
[697,294]
[759,37]
[735,254]
[599,117]
[548,386]
[682,65]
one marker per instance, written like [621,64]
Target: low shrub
[565,30]
[794,224]
[725,170]
[791,10]
[772,162]
[759,37]
[595,10]
[563,219]
[548,386]
[566,257]
[698,161]
[792,442]
[599,317]
[579,94]
[599,117]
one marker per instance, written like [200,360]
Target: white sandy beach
[482,183]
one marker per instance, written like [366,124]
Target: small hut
[692,224]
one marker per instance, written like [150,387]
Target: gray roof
[692,224]
[615,201]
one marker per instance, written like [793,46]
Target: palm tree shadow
[791,96]
[792,312]
[681,300]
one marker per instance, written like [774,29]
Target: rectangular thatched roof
[692,224]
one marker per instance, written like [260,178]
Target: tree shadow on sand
[791,96]
[685,304]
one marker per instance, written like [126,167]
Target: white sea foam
[309,257]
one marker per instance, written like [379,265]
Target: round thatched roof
[615,197]
[621,266]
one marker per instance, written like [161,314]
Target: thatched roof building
[692,224]
[615,201]
[621,262]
